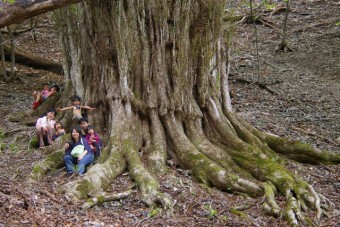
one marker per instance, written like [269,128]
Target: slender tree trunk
[157,73]
[12,75]
[3,60]
[284,43]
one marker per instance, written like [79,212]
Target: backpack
[78,150]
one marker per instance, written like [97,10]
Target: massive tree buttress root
[160,75]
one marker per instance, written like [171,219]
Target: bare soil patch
[299,98]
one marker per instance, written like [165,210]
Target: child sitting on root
[40,97]
[76,107]
[58,130]
[93,140]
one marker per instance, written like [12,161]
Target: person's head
[75,134]
[58,125]
[54,88]
[83,123]
[51,113]
[90,129]
[76,100]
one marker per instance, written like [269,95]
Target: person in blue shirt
[84,159]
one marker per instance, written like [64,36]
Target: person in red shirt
[93,139]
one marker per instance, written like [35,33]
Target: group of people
[89,142]
[84,139]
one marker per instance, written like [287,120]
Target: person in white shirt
[44,128]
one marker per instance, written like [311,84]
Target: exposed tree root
[206,170]
[105,198]
[221,149]
[148,186]
[97,178]
[52,161]
[156,154]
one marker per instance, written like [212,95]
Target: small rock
[336,213]
[337,140]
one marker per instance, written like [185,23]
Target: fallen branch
[21,10]
[105,198]
[34,61]
[314,134]
[49,195]
[260,85]
[278,10]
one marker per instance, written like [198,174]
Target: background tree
[283,46]
[156,71]
[3,60]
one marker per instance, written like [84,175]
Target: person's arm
[87,146]
[87,108]
[65,108]
[39,123]
[82,155]
[68,147]
[51,93]
[50,123]
[96,138]
[87,137]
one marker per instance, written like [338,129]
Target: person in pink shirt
[40,97]
[93,140]
[44,128]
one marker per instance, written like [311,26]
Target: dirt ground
[297,95]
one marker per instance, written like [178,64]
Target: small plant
[269,5]
[338,23]
[211,213]
[153,212]
[10,1]
[13,147]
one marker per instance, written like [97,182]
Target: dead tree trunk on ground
[34,61]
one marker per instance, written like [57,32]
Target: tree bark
[156,72]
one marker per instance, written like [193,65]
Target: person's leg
[96,149]
[49,135]
[86,160]
[40,136]
[37,100]
[69,162]
[35,94]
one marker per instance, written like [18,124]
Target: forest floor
[295,95]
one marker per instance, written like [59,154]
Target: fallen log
[34,61]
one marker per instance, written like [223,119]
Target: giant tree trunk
[157,72]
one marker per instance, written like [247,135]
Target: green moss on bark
[84,188]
